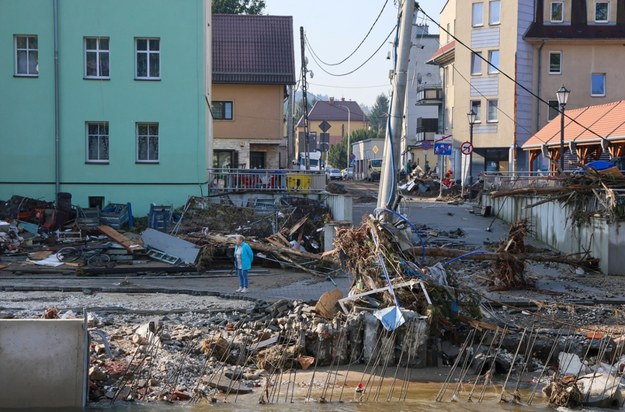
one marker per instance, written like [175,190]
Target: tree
[337,155]
[379,113]
[238,6]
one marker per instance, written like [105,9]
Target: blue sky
[334,29]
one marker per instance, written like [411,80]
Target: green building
[104,100]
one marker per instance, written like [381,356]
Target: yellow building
[253,63]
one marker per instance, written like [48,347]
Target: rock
[97,374]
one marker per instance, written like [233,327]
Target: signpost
[442,148]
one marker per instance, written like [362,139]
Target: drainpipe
[57,146]
[540,64]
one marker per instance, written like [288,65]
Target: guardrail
[266,180]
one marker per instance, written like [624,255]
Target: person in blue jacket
[243,257]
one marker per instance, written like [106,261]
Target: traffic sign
[324,126]
[442,149]
[375,149]
[466,148]
[426,145]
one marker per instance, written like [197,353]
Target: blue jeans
[242,274]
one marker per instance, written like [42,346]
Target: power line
[507,75]
[357,47]
[357,68]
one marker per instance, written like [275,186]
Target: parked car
[333,174]
[347,174]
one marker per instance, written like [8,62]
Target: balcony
[265,180]
[430,94]
[426,129]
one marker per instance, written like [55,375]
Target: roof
[253,49]
[578,27]
[336,111]
[605,120]
[442,54]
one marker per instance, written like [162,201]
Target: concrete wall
[43,363]
[551,223]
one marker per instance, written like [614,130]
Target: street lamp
[349,130]
[563,95]
[472,117]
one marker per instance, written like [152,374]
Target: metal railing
[266,180]
[519,180]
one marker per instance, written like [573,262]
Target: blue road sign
[442,149]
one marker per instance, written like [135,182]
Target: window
[222,110]
[26,56]
[96,57]
[494,8]
[478,14]
[97,142]
[553,109]
[492,110]
[148,59]
[601,12]
[493,58]
[555,62]
[598,84]
[557,11]
[147,142]
[476,106]
[476,63]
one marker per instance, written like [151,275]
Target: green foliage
[379,113]
[238,6]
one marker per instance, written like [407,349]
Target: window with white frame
[555,62]
[478,14]
[222,110]
[148,59]
[494,12]
[476,63]
[96,57]
[476,106]
[557,11]
[26,56]
[601,12]
[97,142]
[492,111]
[598,84]
[147,143]
[493,58]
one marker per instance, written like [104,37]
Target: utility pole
[390,166]
[304,97]
[290,140]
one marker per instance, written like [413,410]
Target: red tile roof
[251,49]
[593,123]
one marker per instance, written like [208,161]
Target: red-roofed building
[590,133]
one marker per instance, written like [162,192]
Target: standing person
[243,257]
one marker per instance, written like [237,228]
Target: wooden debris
[129,245]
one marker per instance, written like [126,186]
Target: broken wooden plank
[129,245]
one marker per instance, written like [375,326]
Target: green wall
[175,101]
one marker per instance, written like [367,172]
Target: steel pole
[470,158]
[562,138]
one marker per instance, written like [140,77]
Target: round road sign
[426,145]
[466,148]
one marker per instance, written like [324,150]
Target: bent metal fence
[265,180]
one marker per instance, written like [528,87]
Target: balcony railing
[265,180]
[520,180]
[430,94]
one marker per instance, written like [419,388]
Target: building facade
[253,63]
[578,44]
[117,117]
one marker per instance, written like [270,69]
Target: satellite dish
[419,78]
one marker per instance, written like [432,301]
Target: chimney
[342,99]
[331,100]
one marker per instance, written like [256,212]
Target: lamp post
[349,132]
[472,117]
[563,96]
